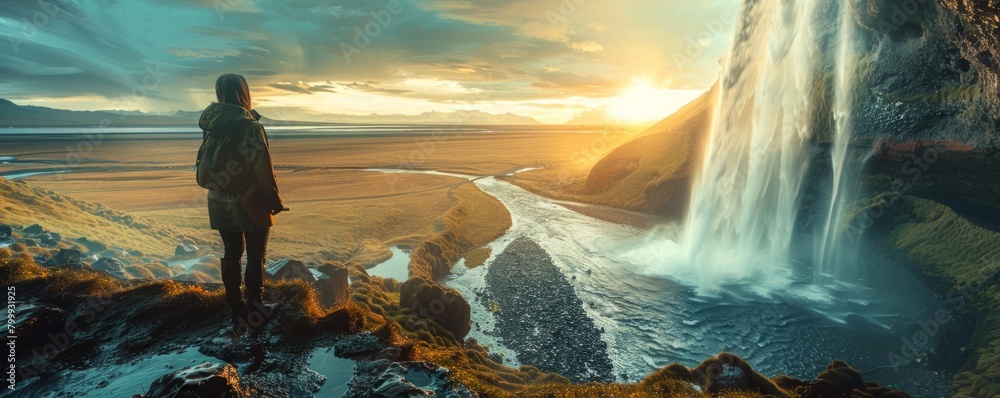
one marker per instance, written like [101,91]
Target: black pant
[256,248]
[256,243]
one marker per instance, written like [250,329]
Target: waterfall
[744,202]
[828,261]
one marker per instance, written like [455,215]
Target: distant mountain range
[13,115]
[433,117]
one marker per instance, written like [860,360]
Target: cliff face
[977,35]
[924,71]
[927,70]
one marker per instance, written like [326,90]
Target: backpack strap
[201,150]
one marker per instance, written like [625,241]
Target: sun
[644,103]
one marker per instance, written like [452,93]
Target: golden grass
[339,211]
[650,173]
[25,204]
[22,269]
[961,258]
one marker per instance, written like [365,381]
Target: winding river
[651,321]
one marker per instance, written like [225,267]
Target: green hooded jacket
[236,168]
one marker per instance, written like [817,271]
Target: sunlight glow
[643,103]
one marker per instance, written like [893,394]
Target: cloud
[595,27]
[295,88]
[165,55]
[586,46]
[374,87]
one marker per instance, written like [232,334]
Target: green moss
[960,258]
[943,96]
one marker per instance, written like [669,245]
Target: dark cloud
[295,88]
[373,86]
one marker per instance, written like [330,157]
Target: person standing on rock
[235,166]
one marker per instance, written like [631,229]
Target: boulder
[6,230]
[382,378]
[820,389]
[730,372]
[185,251]
[443,305]
[355,345]
[290,270]
[112,266]
[205,380]
[33,229]
[91,245]
[49,239]
[333,288]
[840,374]
[30,242]
[34,323]
[115,253]
[64,257]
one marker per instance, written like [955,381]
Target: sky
[554,60]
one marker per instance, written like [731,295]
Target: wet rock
[34,322]
[290,270]
[977,36]
[30,242]
[382,378]
[64,257]
[117,254]
[539,316]
[443,305]
[183,251]
[112,266]
[49,239]
[6,230]
[356,345]
[33,229]
[205,380]
[81,351]
[333,289]
[221,346]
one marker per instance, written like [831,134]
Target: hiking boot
[231,280]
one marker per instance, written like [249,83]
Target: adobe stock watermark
[364,34]
[94,136]
[956,300]
[47,11]
[11,343]
[698,43]
[437,306]
[902,14]
[559,17]
[62,339]
[224,6]
[915,167]
[427,146]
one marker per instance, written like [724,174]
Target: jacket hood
[221,118]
